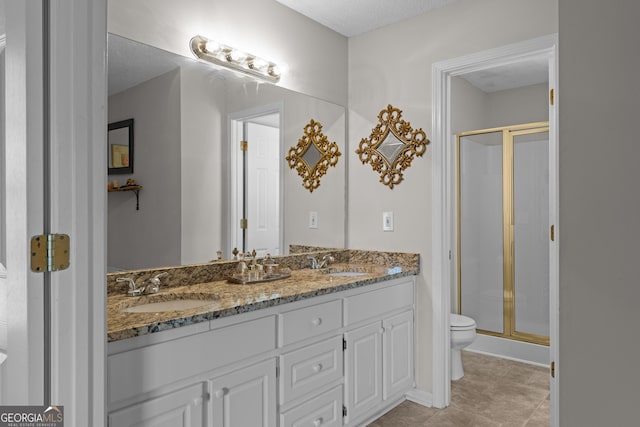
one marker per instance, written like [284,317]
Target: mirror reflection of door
[258,182]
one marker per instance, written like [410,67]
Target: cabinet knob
[317,368]
[317,321]
[317,421]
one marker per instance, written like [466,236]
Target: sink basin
[348,273]
[173,305]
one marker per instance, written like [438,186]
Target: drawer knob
[317,321]
[317,421]
[317,368]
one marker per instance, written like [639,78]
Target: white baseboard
[518,351]
[420,397]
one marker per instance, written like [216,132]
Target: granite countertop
[228,299]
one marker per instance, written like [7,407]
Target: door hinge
[277,371]
[552,99]
[244,145]
[50,252]
[344,344]
[243,223]
[553,369]
[344,411]
[553,233]
[449,255]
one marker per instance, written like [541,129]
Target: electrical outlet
[387,221]
[313,219]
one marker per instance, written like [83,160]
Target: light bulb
[212,46]
[237,55]
[259,64]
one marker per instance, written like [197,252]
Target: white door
[246,397]
[363,370]
[262,189]
[60,189]
[255,179]
[398,354]
[182,408]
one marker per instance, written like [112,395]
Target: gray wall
[202,113]
[392,65]
[474,109]
[155,108]
[315,56]
[599,103]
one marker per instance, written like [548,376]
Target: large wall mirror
[188,119]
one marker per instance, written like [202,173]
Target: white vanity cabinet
[379,351]
[182,408]
[325,361]
[245,397]
[312,365]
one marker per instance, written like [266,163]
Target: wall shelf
[135,188]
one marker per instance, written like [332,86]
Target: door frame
[443,214]
[234,191]
[76,182]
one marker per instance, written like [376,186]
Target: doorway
[443,191]
[255,178]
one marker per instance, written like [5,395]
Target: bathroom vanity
[321,348]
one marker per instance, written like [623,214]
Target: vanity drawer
[322,411]
[376,303]
[310,367]
[309,322]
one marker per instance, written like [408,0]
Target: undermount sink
[171,305]
[348,273]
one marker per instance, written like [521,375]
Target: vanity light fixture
[226,56]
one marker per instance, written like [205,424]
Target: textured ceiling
[354,17]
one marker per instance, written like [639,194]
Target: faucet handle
[133,291]
[155,281]
[132,284]
[314,262]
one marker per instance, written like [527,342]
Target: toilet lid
[460,321]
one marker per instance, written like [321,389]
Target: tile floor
[494,392]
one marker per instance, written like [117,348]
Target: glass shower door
[503,226]
[531,234]
[480,233]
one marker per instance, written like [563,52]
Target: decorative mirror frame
[415,144]
[128,147]
[329,153]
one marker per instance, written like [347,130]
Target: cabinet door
[398,354]
[246,397]
[182,408]
[364,370]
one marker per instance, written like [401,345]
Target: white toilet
[463,333]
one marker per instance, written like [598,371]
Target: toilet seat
[460,322]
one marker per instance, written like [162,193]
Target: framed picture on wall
[120,147]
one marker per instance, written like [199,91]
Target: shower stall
[503,238]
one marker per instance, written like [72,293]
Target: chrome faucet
[316,265]
[151,285]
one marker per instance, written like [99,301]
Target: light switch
[387,221]
[313,219]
